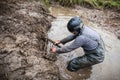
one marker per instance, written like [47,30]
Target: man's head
[75,25]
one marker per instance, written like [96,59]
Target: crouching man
[85,38]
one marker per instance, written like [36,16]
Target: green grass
[93,3]
[46,2]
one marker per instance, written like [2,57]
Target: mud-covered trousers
[90,58]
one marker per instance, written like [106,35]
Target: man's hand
[57,42]
[53,50]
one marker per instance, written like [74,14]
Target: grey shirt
[88,39]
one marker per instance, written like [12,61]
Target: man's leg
[79,63]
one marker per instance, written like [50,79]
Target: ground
[23,28]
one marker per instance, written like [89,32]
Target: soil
[23,28]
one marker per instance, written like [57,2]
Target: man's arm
[76,44]
[68,39]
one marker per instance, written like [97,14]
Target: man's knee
[79,63]
[73,65]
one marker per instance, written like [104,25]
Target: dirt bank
[23,25]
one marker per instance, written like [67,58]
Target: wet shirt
[88,39]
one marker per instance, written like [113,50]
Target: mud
[23,26]
[97,20]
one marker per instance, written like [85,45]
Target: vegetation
[93,3]
[46,2]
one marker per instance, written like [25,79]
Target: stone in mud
[51,57]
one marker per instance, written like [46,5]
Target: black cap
[74,24]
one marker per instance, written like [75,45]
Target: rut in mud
[23,26]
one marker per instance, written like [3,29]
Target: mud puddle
[108,70]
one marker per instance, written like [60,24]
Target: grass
[93,3]
[46,2]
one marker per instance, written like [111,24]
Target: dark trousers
[90,58]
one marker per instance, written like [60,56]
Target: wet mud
[23,28]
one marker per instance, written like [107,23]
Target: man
[86,38]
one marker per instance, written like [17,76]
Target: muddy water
[108,70]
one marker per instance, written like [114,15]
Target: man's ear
[75,32]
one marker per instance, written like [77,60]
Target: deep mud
[23,28]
